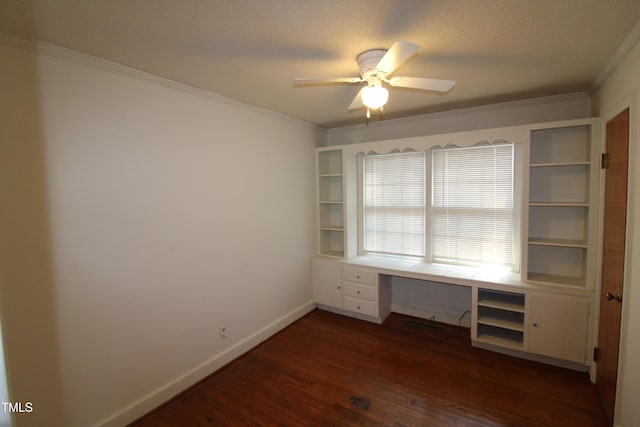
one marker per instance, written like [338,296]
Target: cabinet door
[558,326]
[327,283]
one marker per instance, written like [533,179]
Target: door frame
[629,101]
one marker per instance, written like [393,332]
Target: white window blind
[472,205]
[394,203]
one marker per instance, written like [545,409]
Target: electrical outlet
[222,331]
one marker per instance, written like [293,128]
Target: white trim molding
[105,65]
[623,49]
[164,393]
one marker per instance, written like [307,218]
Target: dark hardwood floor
[330,370]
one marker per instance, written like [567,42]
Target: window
[394,203]
[472,205]
[451,205]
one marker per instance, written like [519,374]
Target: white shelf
[560,204]
[501,300]
[501,319]
[502,305]
[332,228]
[556,279]
[567,243]
[500,337]
[336,254]
[559,164]
[501,341]
[561,189]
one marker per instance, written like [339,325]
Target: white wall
[621,90]
[535,110]
[137,217]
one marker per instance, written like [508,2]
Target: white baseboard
[430,313]
[348,313]
[530,356]
[157,397]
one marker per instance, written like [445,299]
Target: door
[613,255]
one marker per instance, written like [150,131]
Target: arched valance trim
[446,146]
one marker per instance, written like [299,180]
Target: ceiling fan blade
[396,55]
[435,85]
[326,80]
[357,101]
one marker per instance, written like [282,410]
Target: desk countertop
[455,275]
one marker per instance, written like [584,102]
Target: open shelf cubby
[561,145]
[564,184]
[501,337]
[565,265]
[501,318]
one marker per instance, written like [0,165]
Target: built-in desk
[541,322]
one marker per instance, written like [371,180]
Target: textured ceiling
[496,50]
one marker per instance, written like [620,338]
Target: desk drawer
[357,290]
[359,276]
[357,305]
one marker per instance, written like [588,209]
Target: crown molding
[480,108]
[63,53]
[621,52]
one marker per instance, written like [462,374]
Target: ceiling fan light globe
[374,97]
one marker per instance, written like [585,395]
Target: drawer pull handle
[358,277]
[358,292]
[358,307]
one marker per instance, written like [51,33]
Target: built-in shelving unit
[331,203]
[560,205]
[501,318]
[544,311]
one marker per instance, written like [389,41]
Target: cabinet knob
[535,325]
[358,277]
[358,292]
[338,287]
[358,307]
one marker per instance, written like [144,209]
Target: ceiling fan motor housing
[367,62]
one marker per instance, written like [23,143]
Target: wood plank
[331,370]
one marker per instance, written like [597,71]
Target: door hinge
[596,354]
[604,161]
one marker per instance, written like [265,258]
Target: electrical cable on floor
[435,331]
[462,317]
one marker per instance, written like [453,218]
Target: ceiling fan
[376,66]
